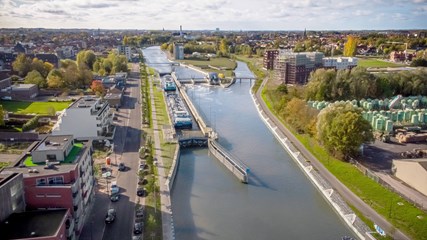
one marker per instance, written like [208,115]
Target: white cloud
[203,14]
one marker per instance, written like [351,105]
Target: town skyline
[274,15]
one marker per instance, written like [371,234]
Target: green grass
[4,164]
[69,159]
[33,107]
[375,63]
[382,200]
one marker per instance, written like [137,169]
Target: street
[126,145]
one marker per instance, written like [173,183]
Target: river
[279,202]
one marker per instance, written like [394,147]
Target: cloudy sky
[211,14]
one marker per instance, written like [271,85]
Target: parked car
[137,229]
[122,166]
[114,188]
[111,215]
[141,167]
[140,192]
[139,213]
[136,238]
[115,197]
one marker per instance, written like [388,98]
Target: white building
[125,50]
[87,118]
[340,63]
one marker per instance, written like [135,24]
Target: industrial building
[340,63]
[178,51]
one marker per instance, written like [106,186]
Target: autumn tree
[223,47]
[350,46]
[34,77]
[22,65]
[86,59]
[2,113]
[54,79]
[301,116]
[98,88]
[342,129]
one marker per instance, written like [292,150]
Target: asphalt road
[348,195]
[127,141]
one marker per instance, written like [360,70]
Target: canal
[279,202]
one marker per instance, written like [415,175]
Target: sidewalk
[166,207]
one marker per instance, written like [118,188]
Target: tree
[300,116]
[223,47]
[342,129]
[22,65]
[98,88]
[86,59]
[350,46]
[1,115]
[54,79]
[34,77]
[419,62]
[38,65]
[125,40]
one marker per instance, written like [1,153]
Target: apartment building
[93,112]
[340,63]
[270,56]
[12,194]
[178,51]
[295,68]
[41,224]
[125,50]
[58,174]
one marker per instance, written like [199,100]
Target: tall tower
[305,34]
[180,30]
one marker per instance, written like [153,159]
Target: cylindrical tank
[400,116]
[379,124]
[421,117]
[407,116]
[388,126]
[414,119]
[394,116]
[373,121]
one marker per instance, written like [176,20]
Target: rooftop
[32,224]
[54,142]
[22,86]
[84,102]
[72,156]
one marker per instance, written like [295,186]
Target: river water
[278,203]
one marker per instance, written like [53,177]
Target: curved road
[348,195]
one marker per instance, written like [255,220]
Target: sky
[212,14]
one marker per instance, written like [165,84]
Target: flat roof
[52,142]
[22,86]
[84,102]
[32,224]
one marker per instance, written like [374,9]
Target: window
[53,195]
[40,196]
[51,157]
[55,180]
[41,181]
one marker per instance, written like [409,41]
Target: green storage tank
[374,121]
[407,116]
[389,126]
[379,124]
[400,116]
[394,116]
[414,119]
[421,117]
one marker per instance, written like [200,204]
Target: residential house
[340,63]
[12,194]
[295,68]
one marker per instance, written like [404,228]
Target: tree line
[331,85]
[70,74]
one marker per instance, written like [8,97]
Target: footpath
[323,179]
[165,200]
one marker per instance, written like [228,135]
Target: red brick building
[270,56]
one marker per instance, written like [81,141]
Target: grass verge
[33,107]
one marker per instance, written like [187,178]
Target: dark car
[111,215]
[137,229]
[140,192]
[122,166]
[115,197]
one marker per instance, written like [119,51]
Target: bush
[31,124]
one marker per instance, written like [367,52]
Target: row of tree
[331,85]
[70,74]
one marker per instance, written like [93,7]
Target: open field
[33,107]
[376,63]
[221,65]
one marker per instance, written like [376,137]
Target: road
[127,142]
[348,195]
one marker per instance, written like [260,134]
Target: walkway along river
[278,203]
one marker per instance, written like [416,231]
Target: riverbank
[345,193]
